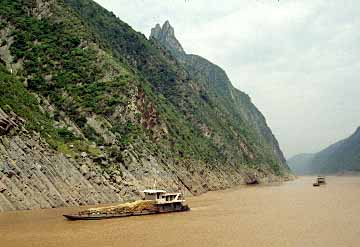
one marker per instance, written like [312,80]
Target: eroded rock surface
[33,176]
[93,112]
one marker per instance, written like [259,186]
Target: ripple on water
[292,214]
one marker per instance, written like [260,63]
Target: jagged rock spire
[166,36]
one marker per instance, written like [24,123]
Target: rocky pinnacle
[166,36]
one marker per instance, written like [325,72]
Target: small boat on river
[155,202]
[319,181]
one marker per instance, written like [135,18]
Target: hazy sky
[299,60]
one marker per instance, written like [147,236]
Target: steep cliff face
[33,175]
[166,36]
[234,104]
[340,157]
[93,112]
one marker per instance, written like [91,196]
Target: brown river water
[292,214]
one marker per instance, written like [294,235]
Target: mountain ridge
[93,112]
[301,164]
[166,35]
[217,78]
[342,156]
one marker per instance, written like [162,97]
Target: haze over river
[292,214]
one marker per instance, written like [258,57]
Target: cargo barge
[155,202]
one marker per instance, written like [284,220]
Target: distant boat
[319,180]
[155,202]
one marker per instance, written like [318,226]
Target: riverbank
[292,214]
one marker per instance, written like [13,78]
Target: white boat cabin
[321,180]
[162,197]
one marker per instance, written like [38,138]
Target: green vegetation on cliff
[98,81]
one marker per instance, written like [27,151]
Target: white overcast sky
[299,60]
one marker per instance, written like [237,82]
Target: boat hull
[161,210]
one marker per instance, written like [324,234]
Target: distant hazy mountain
[343,156]
[301,164]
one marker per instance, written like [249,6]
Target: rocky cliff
[338,158]
[217,88]
[93,112]
[166,36]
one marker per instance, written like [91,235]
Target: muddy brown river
[292,214]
